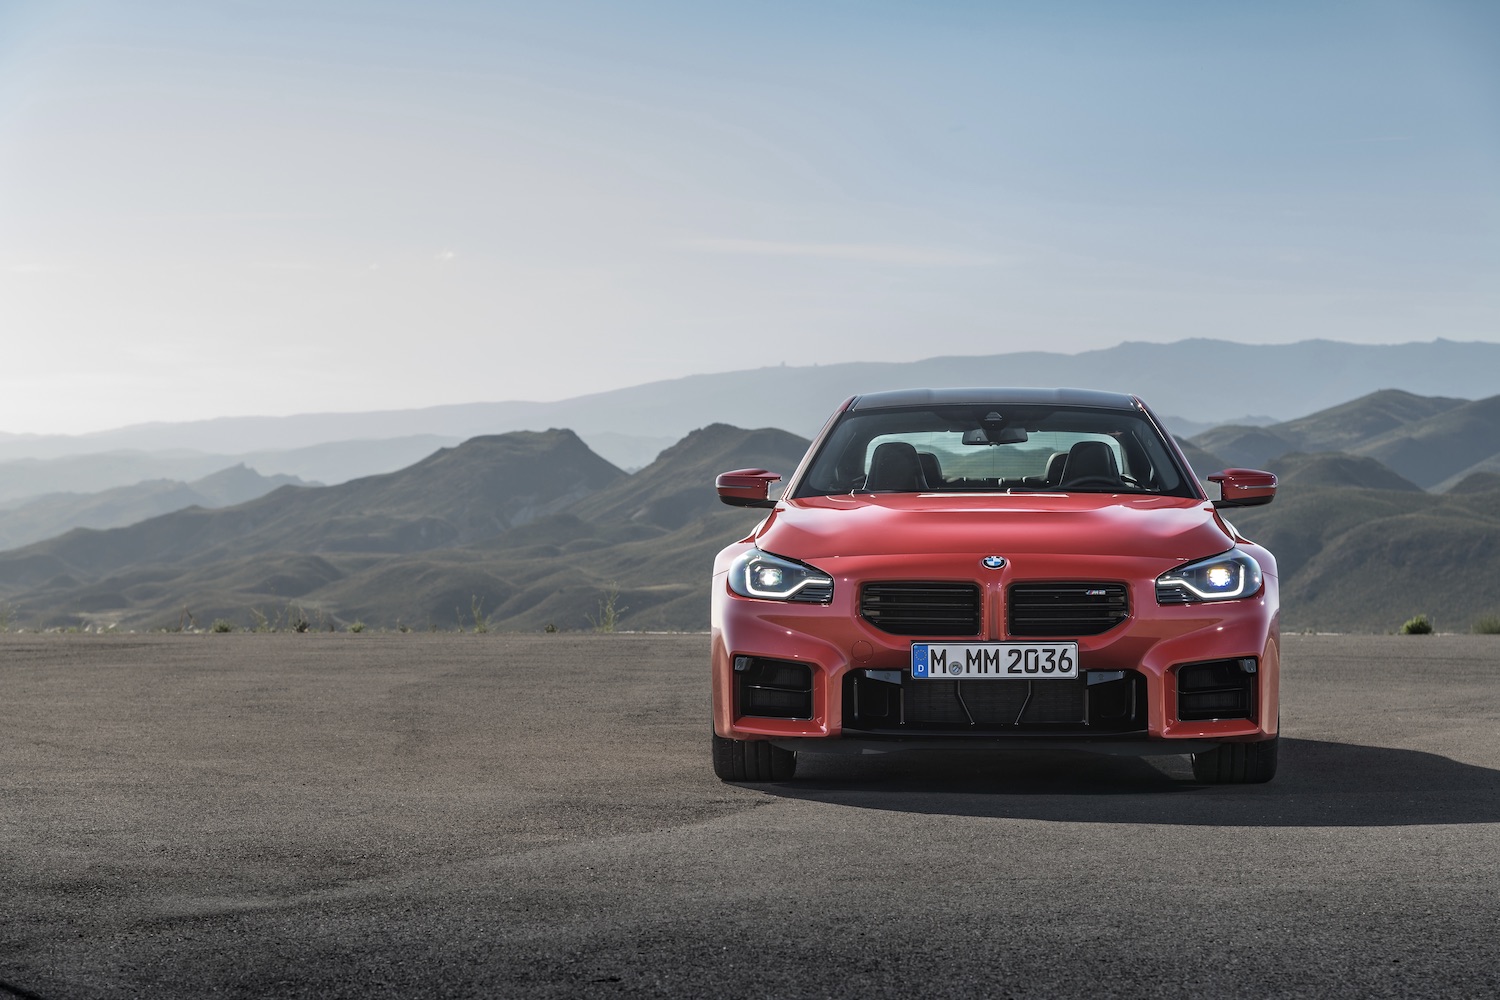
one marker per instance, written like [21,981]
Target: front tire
[1237,763]
[752,760]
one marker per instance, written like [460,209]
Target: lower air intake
[890,702]
[1219,689]
[773,689]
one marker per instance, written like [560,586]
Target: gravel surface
[493,815]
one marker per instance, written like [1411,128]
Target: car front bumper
[1141,687]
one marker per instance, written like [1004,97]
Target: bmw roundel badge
[993,562]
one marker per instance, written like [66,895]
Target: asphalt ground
[399,815]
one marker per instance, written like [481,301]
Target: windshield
[994,448]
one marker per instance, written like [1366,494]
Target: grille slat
[922,608]
[1065,609]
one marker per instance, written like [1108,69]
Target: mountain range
[1194,384]
[531,529]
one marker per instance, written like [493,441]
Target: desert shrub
[609,611]
[222,625]
[1488,625]
[476,611]
[1417,625]
[356,626]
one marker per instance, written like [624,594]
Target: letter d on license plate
[994,661]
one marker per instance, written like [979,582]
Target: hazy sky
[214,208]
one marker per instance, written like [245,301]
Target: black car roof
[950,397]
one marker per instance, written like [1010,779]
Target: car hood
[891,524]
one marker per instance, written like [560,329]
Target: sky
[229,207]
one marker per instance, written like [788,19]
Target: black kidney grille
[1065,609]
[922,608]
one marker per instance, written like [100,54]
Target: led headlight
[772,578]
[1223,577]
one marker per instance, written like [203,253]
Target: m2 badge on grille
[994,661]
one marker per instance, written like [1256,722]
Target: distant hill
[679,486]
[1182,382]
[1428,441]
[1351,425]
[1299,471]
[340,461]
[1478,482]
[1339,428]
[1449,443]
[29,478]
[33,520]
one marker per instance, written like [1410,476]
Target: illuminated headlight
[1220,578]
[772,578]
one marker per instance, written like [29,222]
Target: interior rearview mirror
[997,435]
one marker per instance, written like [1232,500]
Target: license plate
[994,661]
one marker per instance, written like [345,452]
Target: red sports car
[995,568]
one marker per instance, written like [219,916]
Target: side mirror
[746,487]
[1244,487]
